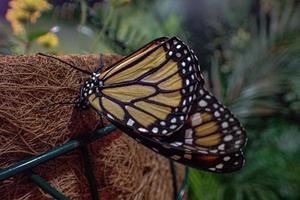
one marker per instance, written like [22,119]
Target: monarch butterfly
[149,95]
[211,137]
[150,91]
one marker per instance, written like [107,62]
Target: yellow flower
[30,6]
[17,19]
[17,15]
[23,11]
[49,40]
[17,27]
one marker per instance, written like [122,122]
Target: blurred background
[249,52]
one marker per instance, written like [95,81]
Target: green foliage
[123,28]
[118,26]
[258,77]
[263,77]
[271,171]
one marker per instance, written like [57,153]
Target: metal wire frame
[27,165]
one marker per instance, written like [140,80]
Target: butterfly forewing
[151,90]
[132,59]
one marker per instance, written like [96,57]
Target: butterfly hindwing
[210,162]
[210,129]
[215,128]
[151,90]
[220,163]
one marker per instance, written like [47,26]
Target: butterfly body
[90,86]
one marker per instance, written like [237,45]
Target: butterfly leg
[101,120]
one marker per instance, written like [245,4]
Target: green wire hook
[27,165]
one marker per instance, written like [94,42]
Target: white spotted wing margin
[226,163]
[210,129]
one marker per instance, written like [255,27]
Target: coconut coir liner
[35,117]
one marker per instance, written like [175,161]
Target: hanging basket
[35,116]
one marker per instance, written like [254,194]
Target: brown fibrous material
[37,114]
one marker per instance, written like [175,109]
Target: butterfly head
[90,86]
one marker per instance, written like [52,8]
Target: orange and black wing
[210,129]
[218,163]
[151,90]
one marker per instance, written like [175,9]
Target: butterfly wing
[221,163]
[209,162]
[211,139]
[151,90]
[210,129]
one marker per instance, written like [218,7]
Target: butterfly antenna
[72,66]
[101,64]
